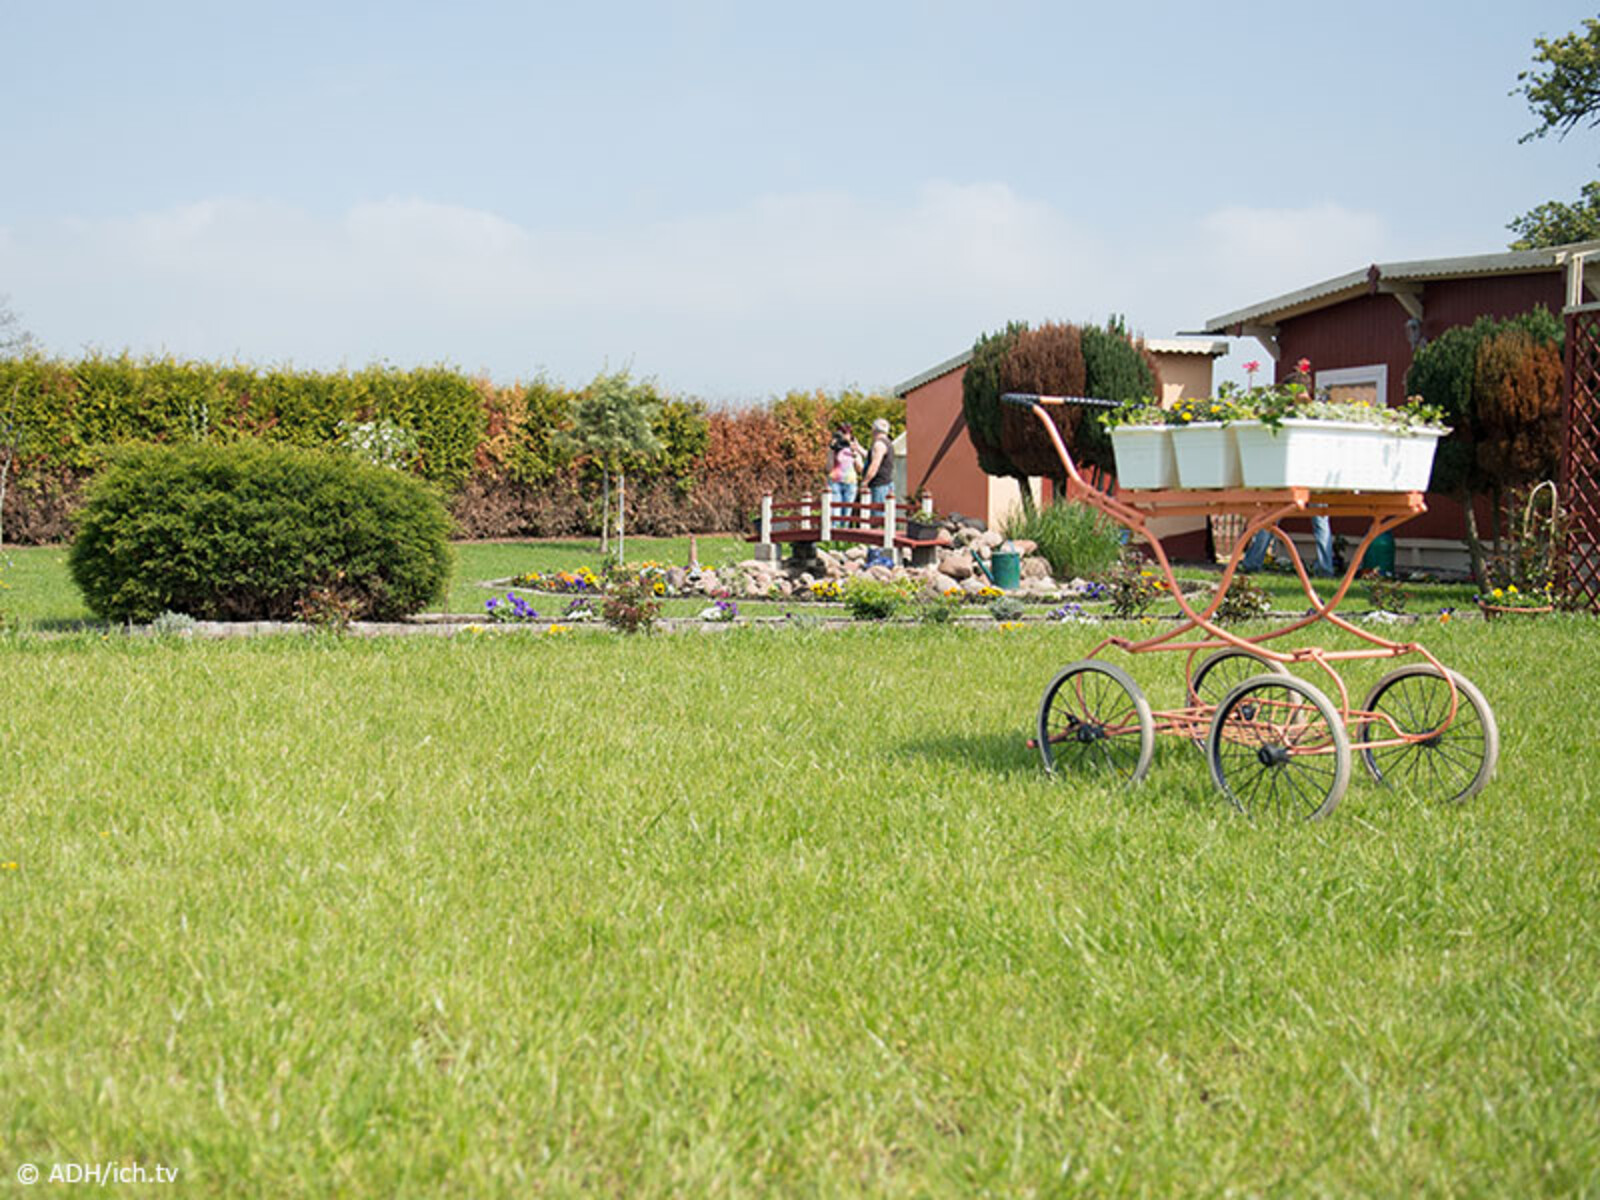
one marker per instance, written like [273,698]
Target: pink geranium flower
[1303,366]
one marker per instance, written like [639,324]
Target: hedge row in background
[250,531]
[493,449]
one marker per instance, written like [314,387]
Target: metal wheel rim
[1209,666]
[1277,744]
[1464,758]
[1096,694]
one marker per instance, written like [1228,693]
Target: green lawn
[769,912]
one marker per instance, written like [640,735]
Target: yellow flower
[1512,589]
[1188,416]
[1009,625]
[1497,593]
[558,629]
[10,866]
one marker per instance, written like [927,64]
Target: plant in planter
[1528,565]
[1141,440]
[924,526]
[1524,572]
[1206,450]
[1290,439]
[1512,599]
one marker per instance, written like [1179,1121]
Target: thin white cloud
[783,291]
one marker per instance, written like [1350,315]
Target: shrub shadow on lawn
[70,625]
[1004,752]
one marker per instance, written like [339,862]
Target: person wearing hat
[878,478]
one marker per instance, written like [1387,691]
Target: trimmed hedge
[251,531]
[495,450]
[72,414]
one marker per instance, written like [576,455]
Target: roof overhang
[1401,280]
[932,373]
[1210,347]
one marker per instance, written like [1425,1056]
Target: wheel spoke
[1277,748]
[1449,755]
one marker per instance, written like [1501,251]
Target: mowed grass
[769,911]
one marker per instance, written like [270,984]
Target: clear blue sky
[735,199]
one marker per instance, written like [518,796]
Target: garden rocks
[957,564]
[1034,567]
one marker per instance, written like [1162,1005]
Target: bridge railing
[823,519]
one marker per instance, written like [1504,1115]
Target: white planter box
[1336,456]
[1208,455]
[1144,456]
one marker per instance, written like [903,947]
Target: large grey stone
[957,564]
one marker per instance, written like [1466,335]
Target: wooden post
[766,519]
[888,524]
[827,516]
[805,513]
[927,505]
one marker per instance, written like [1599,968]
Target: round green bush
[251,531]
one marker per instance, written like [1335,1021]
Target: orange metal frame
[1264,508]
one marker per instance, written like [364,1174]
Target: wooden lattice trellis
[1580,451]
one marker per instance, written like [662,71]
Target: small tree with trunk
[1498,384]
[613,427]
[1052,360]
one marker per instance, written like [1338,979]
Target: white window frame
[1377,373]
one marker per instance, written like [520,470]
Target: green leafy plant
[173,624]
[248,531]
[631,606]
[1245,600]
[613,426]
[1529,568]
[874,599]
[940,610]
[1131,589]
[1007,608]
[1385,594]
[1134,412]
[1074,539]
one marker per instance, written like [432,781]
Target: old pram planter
[1274,741]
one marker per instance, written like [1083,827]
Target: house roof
[1207,346]
[932,373]
[1397,276]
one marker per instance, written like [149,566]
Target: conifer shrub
[250,531]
